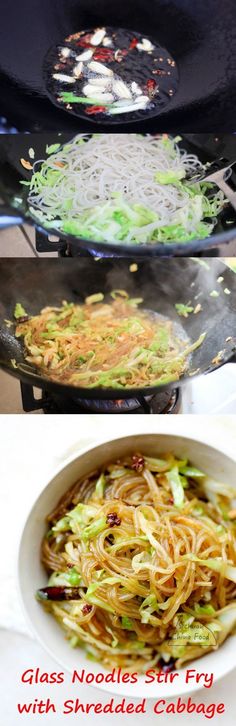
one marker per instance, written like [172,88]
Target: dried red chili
[151,83]
[151,87]
[137,462]
[113,520]
[95,109]
[84,42]
[104,52]
[133,43]
[58,593]
[86,609]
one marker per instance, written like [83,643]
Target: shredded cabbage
[72,578]
[19,311]
[218,565]
[177,488]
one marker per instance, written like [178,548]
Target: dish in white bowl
[32,575]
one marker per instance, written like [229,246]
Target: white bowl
[215,463]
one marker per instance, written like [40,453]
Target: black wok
[200,36]
[15,210]
[161,283]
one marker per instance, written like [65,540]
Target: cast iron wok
[200,35]
[161,283]
[15,210]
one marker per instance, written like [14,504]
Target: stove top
[211,394]
[168,402]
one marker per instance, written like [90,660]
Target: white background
[30,451]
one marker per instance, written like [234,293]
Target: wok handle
[9,217]
[228,192]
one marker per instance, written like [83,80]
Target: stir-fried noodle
[109,345]
[142,562]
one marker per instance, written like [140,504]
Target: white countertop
[30,450]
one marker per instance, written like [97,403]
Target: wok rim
[184,249]
[170,249]
[43,383]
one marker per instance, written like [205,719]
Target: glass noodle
[105,344]
[141,556]
[123,188]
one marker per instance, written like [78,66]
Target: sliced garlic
[64,79]
[118,55]
[100,81]
[142,99]
[65,52]
[107,41]
[136,89]
[97,93]
[78,69]
[121,89]
[86,55]
[145,45]
[100,68]
[98,36]
[123,102]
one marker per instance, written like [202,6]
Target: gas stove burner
[125,405]
[110,75]
[160,403]
[167,402]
